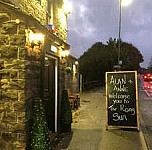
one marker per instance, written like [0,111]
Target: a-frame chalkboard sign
[122,99]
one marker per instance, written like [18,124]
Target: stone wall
[36,8]
[20,74]
[60,21]
[71,75]
[72,83]
[19,83]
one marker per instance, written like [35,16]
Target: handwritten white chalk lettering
[113,108]
[130,81]
[117,101]
[120,88]
[127,109]
[119,96]
[126,101]
[116,81]
[118,117]
[121,99]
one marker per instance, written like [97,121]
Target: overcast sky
[94,21]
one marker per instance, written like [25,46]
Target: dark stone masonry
[19,83]
[28,65]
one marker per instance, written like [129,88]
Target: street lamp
[126,2]
[121,3]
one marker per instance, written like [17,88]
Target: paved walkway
[89,131]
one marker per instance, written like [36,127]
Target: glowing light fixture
[126,2]
[74,69]
[76,62]
[46,58]
[53,48]
[67,7]
[121,3]
[36,37]
[64,53]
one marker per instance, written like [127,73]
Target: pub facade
[33,38]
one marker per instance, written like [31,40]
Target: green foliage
[40,133]
[130,56]
[66,114]
[68,70]
[101,58]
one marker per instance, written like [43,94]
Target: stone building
[33,36]
[72,75]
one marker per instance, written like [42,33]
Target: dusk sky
[94,21]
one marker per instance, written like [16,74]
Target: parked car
[147,77]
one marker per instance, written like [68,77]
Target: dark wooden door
[49,92]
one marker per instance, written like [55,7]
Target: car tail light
[145,77]
[150,77]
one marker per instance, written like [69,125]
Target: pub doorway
[51,91]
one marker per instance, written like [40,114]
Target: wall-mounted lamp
[64,53]
[76,62]
[36,39]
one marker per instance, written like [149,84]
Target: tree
[90,62]
[40,132]
[101,58]
[130,56]
[95,62]
[66,114]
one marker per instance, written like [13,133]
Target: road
[145,110]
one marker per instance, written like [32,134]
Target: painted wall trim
[56,90]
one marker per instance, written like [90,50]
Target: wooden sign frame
[137,100]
